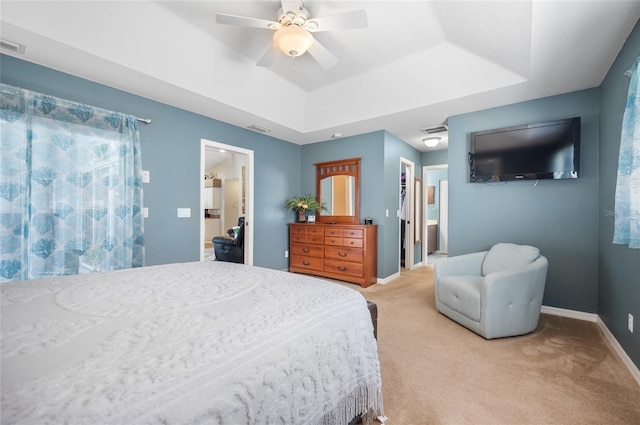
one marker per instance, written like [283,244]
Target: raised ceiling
[416,64]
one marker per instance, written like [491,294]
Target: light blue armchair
[495,293]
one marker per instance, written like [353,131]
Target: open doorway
[226,194]
[406,213]
[436,208]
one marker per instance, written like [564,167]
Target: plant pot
[302,216]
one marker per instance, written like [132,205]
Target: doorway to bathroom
[436,210]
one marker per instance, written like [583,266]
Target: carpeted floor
[435,371]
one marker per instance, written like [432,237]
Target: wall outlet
[630,322]
[286,254]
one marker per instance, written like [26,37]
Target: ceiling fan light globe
[292,40]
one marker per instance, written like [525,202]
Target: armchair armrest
[466,264]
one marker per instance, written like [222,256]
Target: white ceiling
[416,64]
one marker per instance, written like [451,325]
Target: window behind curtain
[627,208]
[70,187]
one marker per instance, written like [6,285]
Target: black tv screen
[546,150]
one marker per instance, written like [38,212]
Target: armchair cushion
[505,256]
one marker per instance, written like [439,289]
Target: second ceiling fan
[293,29]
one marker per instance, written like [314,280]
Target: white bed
[206,342]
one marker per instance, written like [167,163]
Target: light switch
[184,212]
[145,212]
[145,176]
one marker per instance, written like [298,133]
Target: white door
[443,221]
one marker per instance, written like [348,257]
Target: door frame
[426,184]
[408,209]
[249,176]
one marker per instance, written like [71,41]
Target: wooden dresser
[338,251]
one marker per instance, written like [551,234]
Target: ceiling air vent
[12,46]
[258,128]
[434,130]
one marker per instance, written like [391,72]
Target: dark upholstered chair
[230,249]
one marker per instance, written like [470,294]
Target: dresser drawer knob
[306,263]
[305,250]
[342,268]
[342,254]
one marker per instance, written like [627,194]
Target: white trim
[249,194]
[409,200]
[388,279]
[635,372]
[425,184]
[573,314]
[611,340]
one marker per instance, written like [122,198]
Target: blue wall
[558,216]
[171,152]
[394,149]
[435,157]
[618,266]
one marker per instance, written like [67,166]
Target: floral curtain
[627,209]
[70,187]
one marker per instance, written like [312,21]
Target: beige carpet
[435,371]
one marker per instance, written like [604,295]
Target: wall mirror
[338,186]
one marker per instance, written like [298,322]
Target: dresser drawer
[332,231]
[352,243]
[333,241]
[311,263]
[344,267]
[298,231]
[307,250]
[352,233]
[307,234]
[315,239]
[315,231]
[344,254]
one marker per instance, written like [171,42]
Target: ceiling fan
[293,29]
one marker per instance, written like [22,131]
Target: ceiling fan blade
[322,55]
[291,6]
[340,21]
[243,21]
[269,57]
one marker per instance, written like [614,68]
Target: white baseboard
[572,314]
[613,342]
[618,349]
[388,278]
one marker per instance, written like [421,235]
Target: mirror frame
[343,167]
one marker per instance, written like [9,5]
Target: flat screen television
[545,150]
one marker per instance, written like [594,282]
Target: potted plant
[302,204]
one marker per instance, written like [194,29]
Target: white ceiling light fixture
[431,142]
[293,40]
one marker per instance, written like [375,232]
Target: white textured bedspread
[193,343]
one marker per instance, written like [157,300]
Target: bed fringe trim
[366,400]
